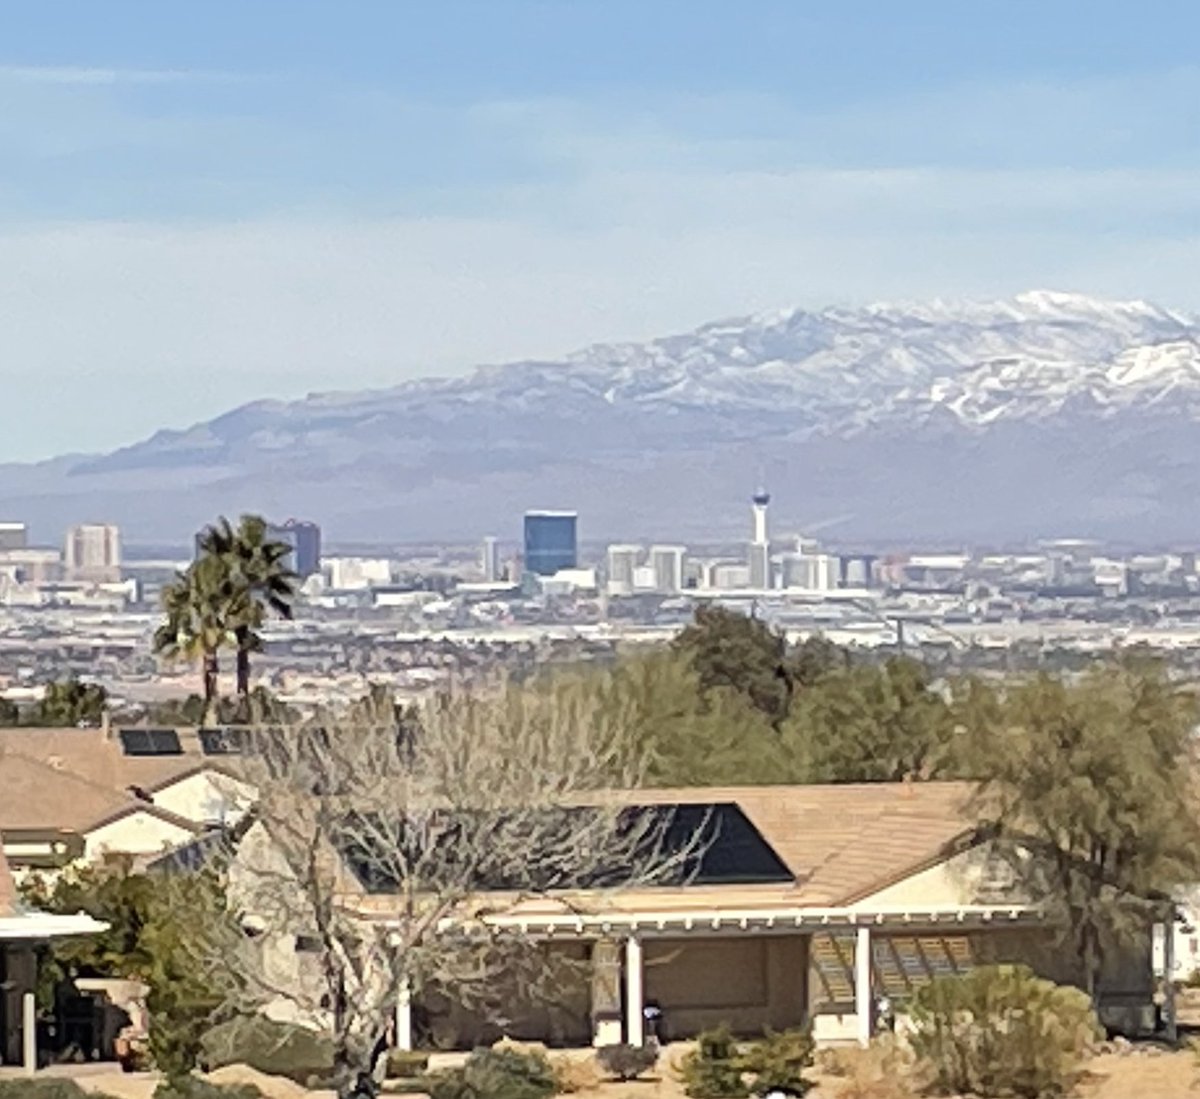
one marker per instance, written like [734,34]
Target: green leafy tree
[70,702]
[692,738]
[261,583]
[731,650]
[871,723]
[152,936]
[815,658]
[1090,793]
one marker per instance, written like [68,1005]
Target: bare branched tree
[386,846]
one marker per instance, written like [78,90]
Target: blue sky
[206,203]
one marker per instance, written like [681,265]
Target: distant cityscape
[411,617]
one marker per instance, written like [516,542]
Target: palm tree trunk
[211,669]
[243,662]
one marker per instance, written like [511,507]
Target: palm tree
[260,580]
[199,608]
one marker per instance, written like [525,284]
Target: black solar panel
[150,742]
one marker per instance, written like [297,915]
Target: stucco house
[81,794]
[809,904]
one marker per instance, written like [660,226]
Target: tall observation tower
[759,557]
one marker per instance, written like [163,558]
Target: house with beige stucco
[72,795]
[809,905]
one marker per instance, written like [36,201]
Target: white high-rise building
[92,552]
[13,536]
[667,563]
[492,568]
[622,565]
[353,573]
[758,559]
[809,568]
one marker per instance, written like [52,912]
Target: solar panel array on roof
[150,742]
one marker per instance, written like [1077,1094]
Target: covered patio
[754,968]
[22,931]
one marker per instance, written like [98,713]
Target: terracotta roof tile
[71,780]
[847,841]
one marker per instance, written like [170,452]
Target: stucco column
[863,1007]
[29,1033]
[634,999]
[606,993]
[404,1030]
[1172,1027]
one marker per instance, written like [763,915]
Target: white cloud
[98,75]
[609,226]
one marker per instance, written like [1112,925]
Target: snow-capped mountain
[1033,415]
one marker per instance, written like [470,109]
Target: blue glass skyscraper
[305,539]
[551,541]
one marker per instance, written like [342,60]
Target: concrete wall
[18,975]
[749,982]
[551,1003]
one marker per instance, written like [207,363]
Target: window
[151,742]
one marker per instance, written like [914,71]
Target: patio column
[606,993]
[404,1032]
[1172,1027]
[864,1008]
[29,1033]
[634,1000]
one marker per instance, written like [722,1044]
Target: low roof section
[19,923]
[110,756]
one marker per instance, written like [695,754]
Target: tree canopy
[1089,789]
[70,702]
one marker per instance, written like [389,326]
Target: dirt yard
[1140,1073]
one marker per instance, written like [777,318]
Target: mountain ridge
[839,405]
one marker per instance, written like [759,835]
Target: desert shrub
[192,1087]
[45,1089]
[778,1060]
[572,1074]
[279,1049]
[1001,1031]
[713,1070]
[403,1064]
[884,1070]
[496,1074]
[627,1062]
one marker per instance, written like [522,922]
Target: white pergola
[633,928]
[21,927]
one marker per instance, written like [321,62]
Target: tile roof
[72,780]
[841,843]
[97,755]
[847,841]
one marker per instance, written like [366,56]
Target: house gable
[206,796]
[136,832]
[976,874]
